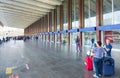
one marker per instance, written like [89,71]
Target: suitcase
[88,63]
[108,66]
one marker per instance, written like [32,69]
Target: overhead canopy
[22,13]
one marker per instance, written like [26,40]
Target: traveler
[108,47]
[78,44]
[93,42]
[98,55]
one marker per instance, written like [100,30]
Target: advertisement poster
[114,37]
[108,35]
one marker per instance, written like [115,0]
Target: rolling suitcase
[88,63]
[108,66]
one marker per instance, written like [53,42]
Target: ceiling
[22,13]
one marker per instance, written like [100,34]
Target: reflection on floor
[39,59]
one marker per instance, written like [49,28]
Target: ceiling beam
[52,2]
[15,21]
[33,2]
[16,3]
[22,13]
[21,20]
[19,10]
[22,8]
[19,15]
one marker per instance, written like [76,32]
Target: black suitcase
[108,67]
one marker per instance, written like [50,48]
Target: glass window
[73,37]
[48,22]
[57,38]
[89,13]
[52,37]
[116,11]
[65,16]
[107,12]
[111,12]
[65,38]
[47,38]
[58,17]
[52,20]
[47,28]
[86,13]
[75,8]
[92,13]
[89,37]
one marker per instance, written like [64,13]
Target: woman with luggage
[98,55]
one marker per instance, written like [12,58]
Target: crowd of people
[6,39]
[2,40]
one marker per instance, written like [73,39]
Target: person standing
[98,55]
[108,47]
[93,42]
[78,44]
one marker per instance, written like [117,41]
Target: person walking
[78,44]
[98,55]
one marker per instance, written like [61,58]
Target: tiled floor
[40,59]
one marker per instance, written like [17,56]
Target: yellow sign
[9,70]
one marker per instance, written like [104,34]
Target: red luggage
[89,63]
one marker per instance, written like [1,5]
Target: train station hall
[59,38]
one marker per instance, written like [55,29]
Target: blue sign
[46,33]
[87,29]
[41,33]
[63,31]
[50,32]
[56,32]
[110,27]
[73,30]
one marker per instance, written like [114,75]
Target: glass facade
[73,37]
[65,37]
[44,37]
[47,27]
[111,12]
[52,36]
[52,20]
[75,8]
[110,15]
[65,20]
[47,37]
[65,15]
[116,11]
[89,13]
[58,17]
[107,12]
[57,36]
[75,20]
[88,37]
